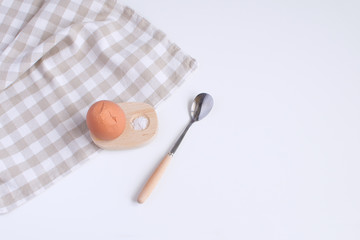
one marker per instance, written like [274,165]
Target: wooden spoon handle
[154,179]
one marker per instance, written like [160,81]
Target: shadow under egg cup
[131,137]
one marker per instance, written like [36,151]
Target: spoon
[201,106]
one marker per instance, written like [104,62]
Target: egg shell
[106,120]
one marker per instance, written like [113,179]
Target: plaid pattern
[56,58]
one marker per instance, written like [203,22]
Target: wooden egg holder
[131,138]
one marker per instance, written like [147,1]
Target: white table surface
[277,158]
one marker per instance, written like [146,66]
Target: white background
[277,158]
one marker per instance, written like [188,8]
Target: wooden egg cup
[131,138]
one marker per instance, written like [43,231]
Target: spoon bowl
[201,106]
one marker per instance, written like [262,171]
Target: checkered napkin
[56,58]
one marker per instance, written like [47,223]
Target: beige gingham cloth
[57,58]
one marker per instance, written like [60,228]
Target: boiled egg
[106,120]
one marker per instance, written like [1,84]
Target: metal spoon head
[201,106]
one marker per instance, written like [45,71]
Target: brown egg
[106,120]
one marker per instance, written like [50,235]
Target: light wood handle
[154,179]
